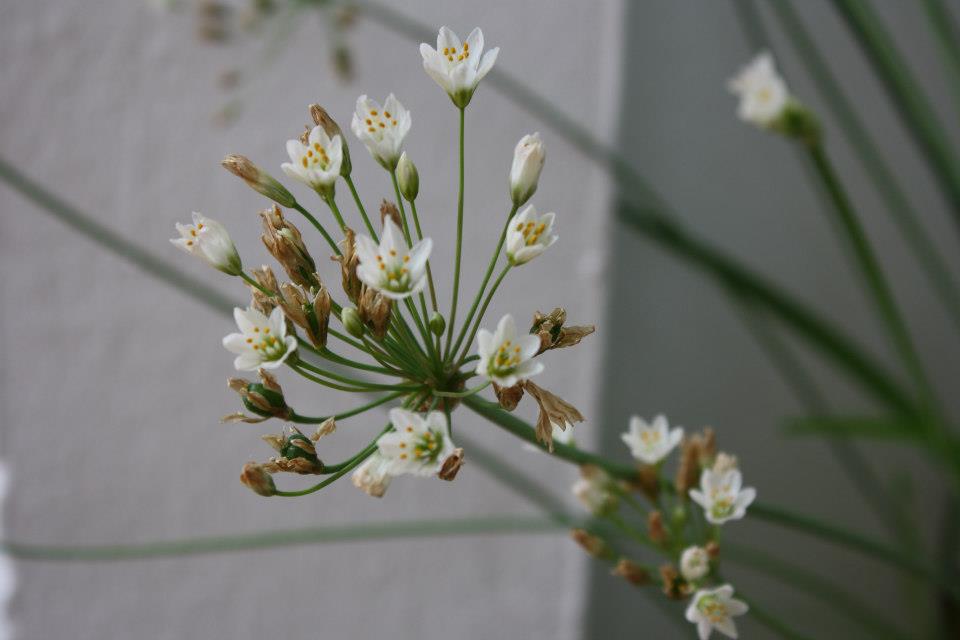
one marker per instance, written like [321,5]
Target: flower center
[428,446]
[452,54]
[270,347]
[531,232]
[506,360]
[394,275]
[316,156]
[722,507]
[712,609]
[378,123]
[650,438]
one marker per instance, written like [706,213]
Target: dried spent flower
[373,309]
[297,453]
[349,261]
[389,210]
[284,242]
[371,477]
[264,398]
[259,300]
[508,397]
[592,544]
[552,332]
[672,584]
[451,466]
[257,479]
[258,179]
[326,428]
[554,412]
[631,572]
[308,308]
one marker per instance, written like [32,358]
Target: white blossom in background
[722,495]
[372,476]
[715,609]
[763,93]
[417,445]
[8,576]
[694,563]
[651,442]
[505,357]
[391,268]
[528,158]
[208,240]
[529,235]
[381,129]
[317,163]
[262,341]
[456,67]
[593,490]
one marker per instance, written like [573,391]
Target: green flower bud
[351,322]
[437,324]
[408,178]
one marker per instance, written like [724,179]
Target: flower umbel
[315,163]
[458,67]
[529,235]
[381,129]
[208,240]
[711,609]
[418,444]
[722,496]
[651,442]
[391,268]
[505,357]
[262,341]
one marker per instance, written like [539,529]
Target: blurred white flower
[381,129]
[262,341]
[317,163]
[417,445]
[506,358]
[651,442]
[372,476]
[594,492]
[763,93]
[528,158]
[694,563]
[722,496]
[529,235]
[715,609]
[391,268]
[208,240]
[456,67]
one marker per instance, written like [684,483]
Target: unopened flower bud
[264,398]
[631,572]
[694,563]
[282,239]
[258,179]
[451,466]
[528,159]
[257,479]
[351,322]
[437,323]
[408,177]
[330,126]
[593,545]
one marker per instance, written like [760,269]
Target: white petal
[486,64]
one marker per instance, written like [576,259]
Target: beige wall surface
[113,383]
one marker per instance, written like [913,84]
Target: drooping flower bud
[330,126]
[408,178]
[258,179]
[352,322]
[208,240]
[282,239]
[437,323]
[264,398]
[257,479]
[297,453]
[528,158]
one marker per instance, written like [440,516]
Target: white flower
[208,240]
[694,563]
[763,93]
[262,341]
[317,163]
[529,235]
[506,358]
[417,445]
[651,442]
[458,68]
[528,159]
[372,476]
[593,490]
[391,268]
[721,495]
[381,129]
[714,609]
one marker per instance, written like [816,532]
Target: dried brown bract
[257,479]
[282,239]
[593,545]
[553,334]
[509,397]
[309,309]
[451,466]
[374,309]
[553,411]
[348,265]
[389,210]
[631,572]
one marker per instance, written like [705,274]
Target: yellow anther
[387,113]
[393,252]
[189,243]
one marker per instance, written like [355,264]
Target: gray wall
[677,345]
[113,384]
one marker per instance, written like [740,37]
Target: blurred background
[114,382]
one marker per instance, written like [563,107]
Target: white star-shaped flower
[505,357]
[722,495]
[651,442]
[456,67]
[317,163]
[262,341]
[715,609]
[391,268]
[208,240]
[418,444]
[529,235]
[763,93]
[381,129]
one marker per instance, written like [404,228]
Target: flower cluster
[683,520]
[386,336]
